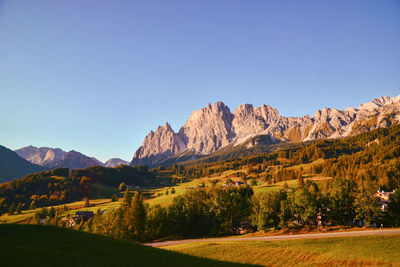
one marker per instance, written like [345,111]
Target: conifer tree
[18,210]
[11,209]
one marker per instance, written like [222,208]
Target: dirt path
[280,237]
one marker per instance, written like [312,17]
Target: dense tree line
[199,212]
[114,176]
[341,202]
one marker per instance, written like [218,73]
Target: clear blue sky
[96,76]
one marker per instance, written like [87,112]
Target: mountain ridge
[56,157]
[213,127]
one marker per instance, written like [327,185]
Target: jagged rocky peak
[249,120]
[380,102]
[158,145]
[208,129]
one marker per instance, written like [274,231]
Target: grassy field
[348,251]
[34,245]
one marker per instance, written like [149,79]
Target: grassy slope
[349,251]
[33,245]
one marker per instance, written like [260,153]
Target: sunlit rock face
[158,145]
[43,156]
[208,129]
[214,127]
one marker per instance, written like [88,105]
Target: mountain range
[214,127]
[56,158]
[30,159]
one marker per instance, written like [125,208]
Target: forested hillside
[61,185]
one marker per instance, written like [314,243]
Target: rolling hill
[35,245]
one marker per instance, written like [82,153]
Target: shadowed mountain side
[76,160]
[12,166]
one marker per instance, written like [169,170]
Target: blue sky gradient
[96,76]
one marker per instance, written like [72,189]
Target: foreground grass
[348,251]
[34,245]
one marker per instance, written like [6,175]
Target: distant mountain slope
[12,166]
[76,160]
[56,157]
[114,162]
[43,156]
[214,127]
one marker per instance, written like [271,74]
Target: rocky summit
[215,126]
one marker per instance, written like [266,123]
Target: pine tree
[139,214]
[19,208]
[127,198]
[3,206]
[32,205]
[11,210]
[300,180]
[86,202]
